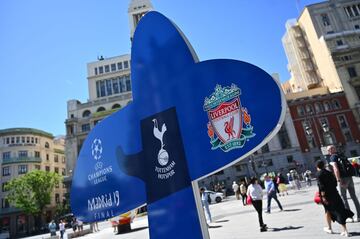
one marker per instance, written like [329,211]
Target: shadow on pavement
[354,234]
[292,210]
[214,226]
[133,230]
[221,221]
[284,228]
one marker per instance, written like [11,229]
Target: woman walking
[331,200]
[255,192]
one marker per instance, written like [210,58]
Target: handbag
[317,198]
[248,200]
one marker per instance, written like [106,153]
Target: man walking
[343,172]
[205,200]
[271,193]
[235,187]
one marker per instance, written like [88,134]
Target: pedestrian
[334,207]
[223,188]
[205,200]
[94,226]
[243,192]
[254,191]
[296,179]
[356,167]
[290,180]
[344,172]
[274,179]
[62,228]
[236,190]
[80,225]
[74,225]
[52,228]
[307,176]
[282,185]
[271,193]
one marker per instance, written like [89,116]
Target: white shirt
[62,226]
[235,187]
[255,191]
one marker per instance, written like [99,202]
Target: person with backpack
[344,172]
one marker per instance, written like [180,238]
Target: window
[37,167]
[357,27]
[101,70]
[85,127]
[128,83]
[353,153]
[86,113]
[47,168]
[119,65]
[37,154]
[290,158]
[12,140]
[107,68]
[336,104]
[284,138]
[23,139]
[300,110]
[57,197]
[339,42]
[325,19]
[27,140]
[238,168]
[221,172]
[96,70]
[352,72]
[113,67]
[347,136]
[309,109]
[56,170]
[115,85]
[100,109]
[62,159]
[126,64]
[32,140]
[47,157]
[7,140]
[36,140]
[56,158]
[318,107]
[18,140]
[6,171]
[327,106]
[23,154]
[47,145]
[108,87]
[115,106]
[63,172]
[342,122]
[22,169]
[6,155]
[3,187]
[265,149]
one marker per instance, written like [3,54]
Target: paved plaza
[301,218]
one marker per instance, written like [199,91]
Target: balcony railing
[21,160]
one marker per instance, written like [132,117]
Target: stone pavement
[301,218]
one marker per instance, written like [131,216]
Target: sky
[45,46]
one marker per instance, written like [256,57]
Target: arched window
[100,109]
[336,104]
[86,113]
[300,110]
[115,106]
[318,107]
[309,109]
[47,145]
[327,106]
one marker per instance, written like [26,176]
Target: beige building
[109,86]
[323,49]
[23,150]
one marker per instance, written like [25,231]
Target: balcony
[21,160]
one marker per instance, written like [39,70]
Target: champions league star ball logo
[229,125]
[96,149]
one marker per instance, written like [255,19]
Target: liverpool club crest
[229,125]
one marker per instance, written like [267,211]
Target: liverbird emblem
[226,119]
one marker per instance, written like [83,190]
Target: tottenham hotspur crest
[229,125]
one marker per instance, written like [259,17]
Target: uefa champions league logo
[96,149]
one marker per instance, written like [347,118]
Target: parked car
[216,197]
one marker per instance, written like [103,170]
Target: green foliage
[32,191]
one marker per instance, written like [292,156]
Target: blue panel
[187,120]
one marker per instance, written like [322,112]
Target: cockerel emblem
[229,125]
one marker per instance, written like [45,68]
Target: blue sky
[45,46]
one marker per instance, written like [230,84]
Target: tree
[32,192]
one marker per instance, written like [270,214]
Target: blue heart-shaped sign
[188,119]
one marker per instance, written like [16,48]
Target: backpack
[345,167]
